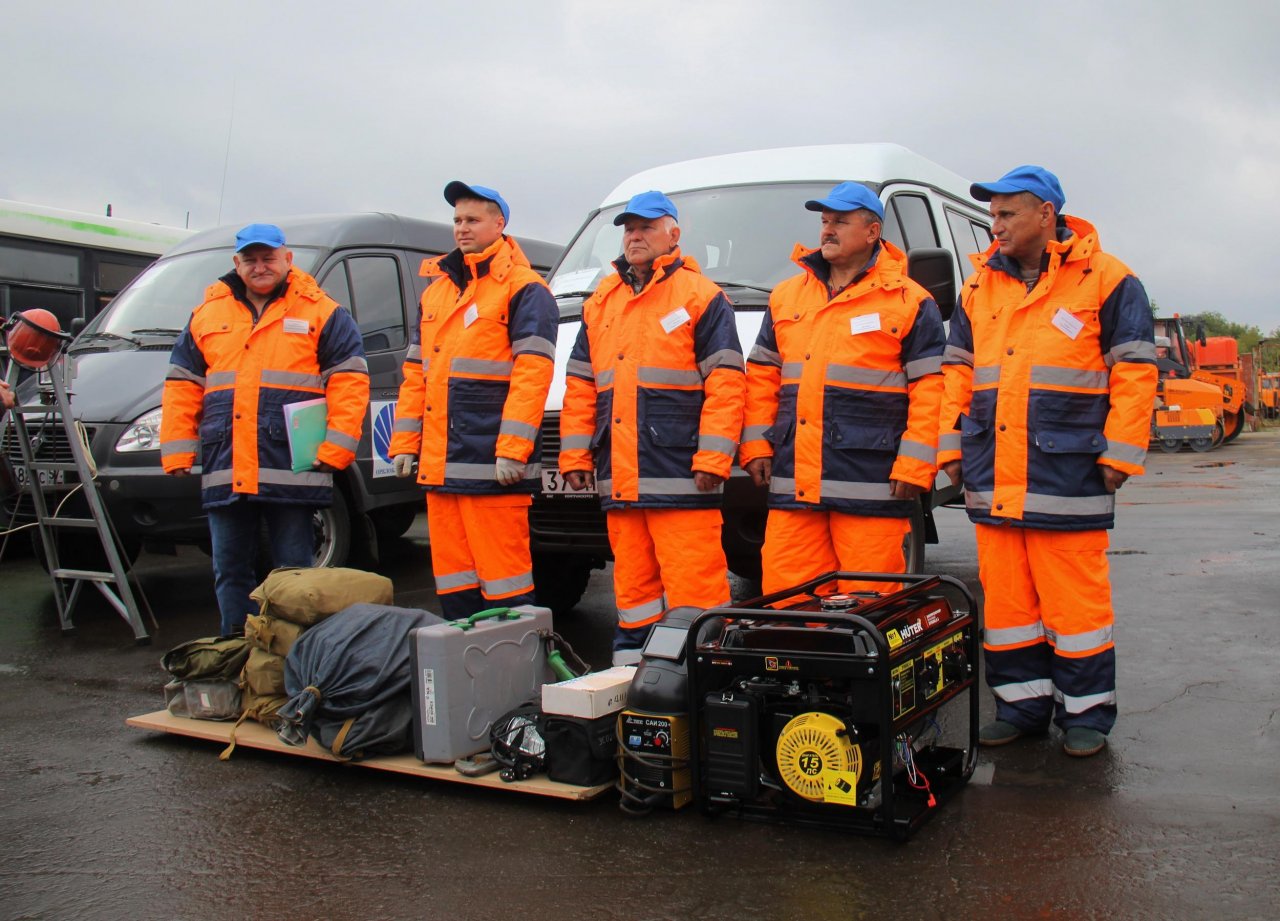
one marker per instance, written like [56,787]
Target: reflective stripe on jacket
[231,377]
[654,389]
[844,391]
[1044,386]
[477,372]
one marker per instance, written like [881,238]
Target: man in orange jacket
[652,411]
[844,387]
[475,383]
[265,336]
[1051,375]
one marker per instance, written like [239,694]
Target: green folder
[306,423]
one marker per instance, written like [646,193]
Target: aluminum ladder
[113,583]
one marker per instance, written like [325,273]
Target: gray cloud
[1162,119]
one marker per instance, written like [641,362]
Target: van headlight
[142,435]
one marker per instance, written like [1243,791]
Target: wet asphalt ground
[1179,817]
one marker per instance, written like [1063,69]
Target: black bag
[348,682]
[580,751]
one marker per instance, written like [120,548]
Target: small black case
[580,751]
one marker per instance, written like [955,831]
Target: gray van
[369,263]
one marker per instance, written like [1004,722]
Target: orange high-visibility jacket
[1045,386]
[230,378]
[844,391]
[654,389]
[477,373]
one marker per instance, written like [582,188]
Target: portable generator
[817,707]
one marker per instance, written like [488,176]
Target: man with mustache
[844,388]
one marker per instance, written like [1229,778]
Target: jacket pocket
[1071,441]
[673,428]
[851,433]
[215,428]
[1069,410]
[475,407]
[973,428]
[783,430]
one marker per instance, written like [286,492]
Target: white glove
[508,471]
[403,464]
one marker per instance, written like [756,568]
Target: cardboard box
[589,696]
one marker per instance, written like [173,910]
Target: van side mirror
[77,326]
[934,270]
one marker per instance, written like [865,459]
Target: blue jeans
[234,531]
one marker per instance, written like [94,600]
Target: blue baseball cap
[456,189]
[259,235]
[1034,179]
[848,196]
[648,205]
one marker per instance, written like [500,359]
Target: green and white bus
[72,264]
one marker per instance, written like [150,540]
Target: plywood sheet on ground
[255,735]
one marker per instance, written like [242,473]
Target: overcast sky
[1161,119]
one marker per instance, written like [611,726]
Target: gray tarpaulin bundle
[348,681]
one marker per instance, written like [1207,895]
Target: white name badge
[675,319]
[470,315]
[296,325]
[1067,323]
[864,324]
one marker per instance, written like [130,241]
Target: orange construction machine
[1269,394]
[1200,398]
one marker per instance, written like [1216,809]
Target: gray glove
[508,471]
[403,464]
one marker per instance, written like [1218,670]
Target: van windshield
[739,235]
[163,296]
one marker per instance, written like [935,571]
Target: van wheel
[560,580]
[333,531]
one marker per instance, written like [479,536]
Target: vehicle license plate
[43,477]
[553,484]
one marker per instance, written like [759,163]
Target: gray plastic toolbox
[467,673]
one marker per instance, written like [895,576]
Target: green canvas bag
[210,658]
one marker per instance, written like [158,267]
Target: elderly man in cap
[844,388]
[475,382]
[652,412]
[1051,374]
[266,336]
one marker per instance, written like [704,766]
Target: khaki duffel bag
[308,596]
[273,634]
[263,674]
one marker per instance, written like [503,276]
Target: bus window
[29,263]
[65,305]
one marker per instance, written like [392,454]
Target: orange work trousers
[800,545]
[663,558]
[1047,626]
[480,551]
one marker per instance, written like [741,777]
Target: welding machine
[818,707]
[653,729]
